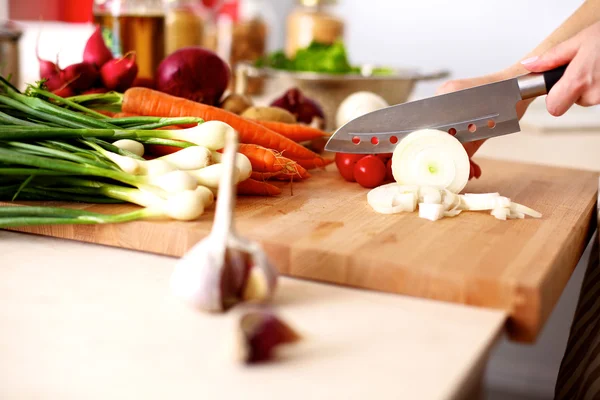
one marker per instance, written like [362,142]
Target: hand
[580,83]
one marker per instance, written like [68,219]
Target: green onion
[67,102]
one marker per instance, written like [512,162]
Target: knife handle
[539,84]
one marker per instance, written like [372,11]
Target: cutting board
[326,231]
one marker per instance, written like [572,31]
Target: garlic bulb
[224,269]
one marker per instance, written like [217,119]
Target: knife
[481,112]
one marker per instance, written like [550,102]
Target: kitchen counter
[87,321]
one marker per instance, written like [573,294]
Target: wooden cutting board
[326,231]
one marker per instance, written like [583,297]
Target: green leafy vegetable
[317,57]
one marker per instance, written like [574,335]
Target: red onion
[80,76]
[64,91]
[96,52]
[119,74]
[304,109]
[194,73]
[49,71]
[95,91]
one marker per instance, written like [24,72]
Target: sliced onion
[501,213]
[519,208]
[430,195]
[432,212]
[384,195]
[481,203]
[452,213]
[430,157]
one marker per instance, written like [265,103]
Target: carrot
[106,112]
[154,103]
[295,132]
[280,176]
[268,160]
[124,115]
[251,187]
[310,163]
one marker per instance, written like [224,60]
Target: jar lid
[313,3]
[9,30]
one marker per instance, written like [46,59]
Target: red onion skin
[96,52]
[119,74]
[64,91]
[80,76]
[194,73]
[303,108]
[95,91]
[49,71]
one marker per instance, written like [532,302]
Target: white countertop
[87,321]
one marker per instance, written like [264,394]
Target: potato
[274,114]
[236,103]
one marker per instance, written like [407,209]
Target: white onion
[430,157]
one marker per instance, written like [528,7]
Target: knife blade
[481,112]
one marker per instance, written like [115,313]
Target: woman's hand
[580,83]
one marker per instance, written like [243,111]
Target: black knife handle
[553,76]
[538,84]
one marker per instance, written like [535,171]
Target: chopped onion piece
[480,203]
[430,195]
[432,212]
[408,201]
[485,195]
[452,213]
[501,213]
[450,200]
[519,208]
[516,215]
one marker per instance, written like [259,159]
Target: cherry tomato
[345,164]
[384,156]
[389,176]
[369,172]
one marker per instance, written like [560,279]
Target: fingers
[557,56]
[576,86]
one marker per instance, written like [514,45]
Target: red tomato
[370,171]
[388,171]
[345,164]
[384,157]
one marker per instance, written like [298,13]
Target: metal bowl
[331,89]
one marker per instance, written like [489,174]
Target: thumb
[557,56]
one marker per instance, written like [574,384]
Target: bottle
[184,24]
[244,30]
[134,25]
[312,20]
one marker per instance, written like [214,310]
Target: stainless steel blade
[475,113]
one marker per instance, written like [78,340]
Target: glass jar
[244,30]
[184,24]
[312,20]
[134,25]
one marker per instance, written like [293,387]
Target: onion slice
[430,157]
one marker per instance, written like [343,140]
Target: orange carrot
[107,113]
[251,187]
[295,132]
[268,160]
[154,103]
[124,115]
[280,176]
[310,163]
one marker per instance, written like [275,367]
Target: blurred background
[463,38]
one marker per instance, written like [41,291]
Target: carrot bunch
[273,148]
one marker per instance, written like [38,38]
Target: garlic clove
[259,334]
[198,275]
